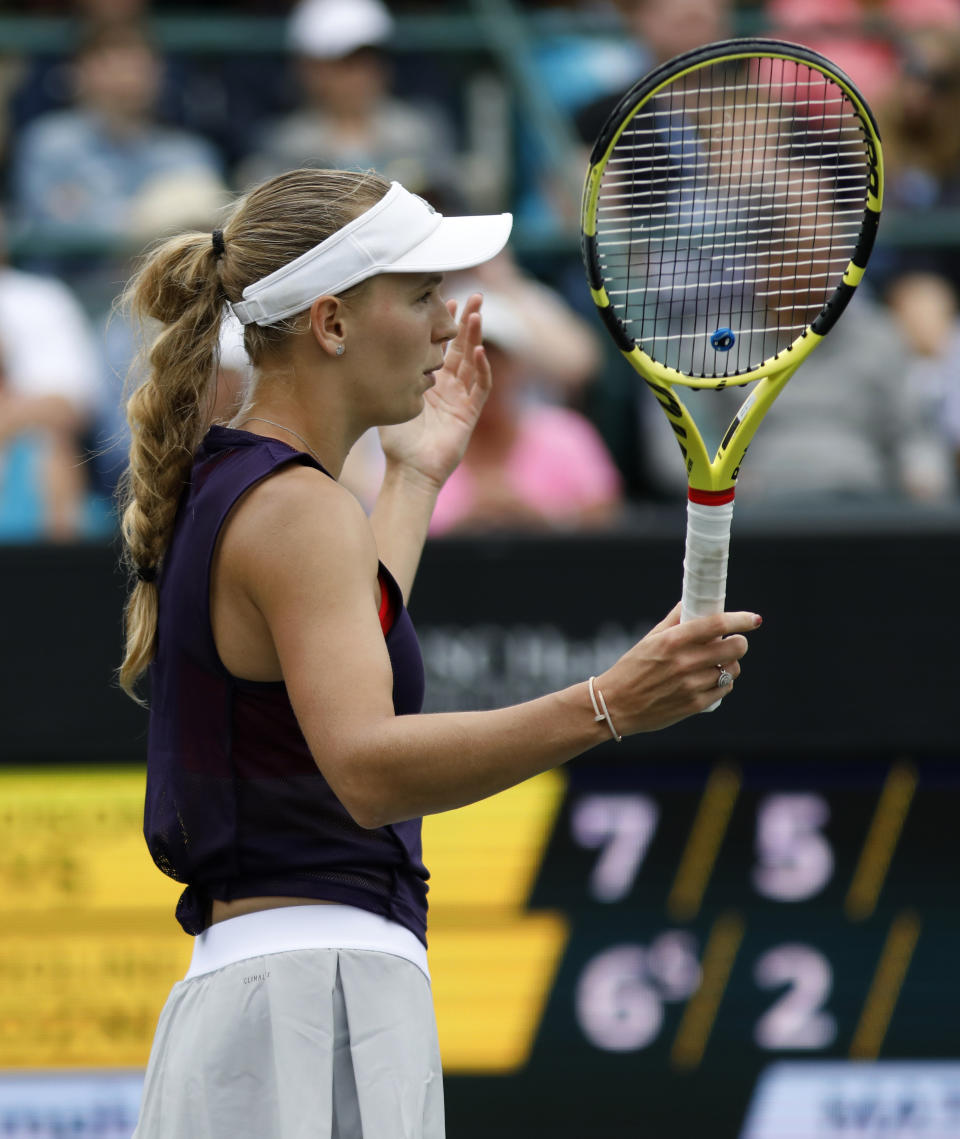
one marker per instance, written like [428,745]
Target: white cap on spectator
[331,29]
[174,201]
[503,326]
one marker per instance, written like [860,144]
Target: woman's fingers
[702,630]
[461,360]
[717,625]
[482,374]
[678,669]
[469,331]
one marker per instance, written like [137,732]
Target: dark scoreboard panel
[727,915]
[858,647]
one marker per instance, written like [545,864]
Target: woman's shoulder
[298,513]
[298,493]
[293,533]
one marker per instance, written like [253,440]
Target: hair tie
[146,573]
[218,246]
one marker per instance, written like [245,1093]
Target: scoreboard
[722,918]
[618,948]
[757,911]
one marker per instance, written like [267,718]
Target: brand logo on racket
[873,175]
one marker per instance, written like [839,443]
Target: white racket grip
[705,561]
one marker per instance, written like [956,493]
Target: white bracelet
[601,708]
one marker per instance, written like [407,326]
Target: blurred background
[744,927]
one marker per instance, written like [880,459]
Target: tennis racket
[729,209]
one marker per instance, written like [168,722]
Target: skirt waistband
[289,928]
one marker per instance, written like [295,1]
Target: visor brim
[457,243]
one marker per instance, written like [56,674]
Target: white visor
[399,234]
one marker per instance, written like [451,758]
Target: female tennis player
[288,765]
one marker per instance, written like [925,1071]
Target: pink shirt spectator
[558,466]
[862,37]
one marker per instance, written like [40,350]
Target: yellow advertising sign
[90,947]
[492,963]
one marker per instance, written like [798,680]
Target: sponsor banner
[891,1099]
[55,1105]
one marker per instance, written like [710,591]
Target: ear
[327,323]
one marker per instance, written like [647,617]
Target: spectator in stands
[660,31]
[862,37]
[216,94]
[531,465]
[921,143]
[567,345]
[13,69]
[50,389]
[920,136]
[845,427]
[572,70]
[925,307]
[904,55]
[166,205]
[77,171]
[46,76]
[349,118]
[846,32]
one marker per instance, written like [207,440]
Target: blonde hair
[183,285]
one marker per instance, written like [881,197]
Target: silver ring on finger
[724,678]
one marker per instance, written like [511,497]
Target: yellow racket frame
[717,476]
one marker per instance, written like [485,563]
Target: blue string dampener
[723,339]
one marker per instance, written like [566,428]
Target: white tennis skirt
[312,1042]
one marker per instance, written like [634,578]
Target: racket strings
[669,177]
[733,200]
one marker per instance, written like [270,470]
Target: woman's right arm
[305,555]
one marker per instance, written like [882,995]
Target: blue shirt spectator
[75,176]
[77,173]
[50,393]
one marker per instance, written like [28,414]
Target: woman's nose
[447,328]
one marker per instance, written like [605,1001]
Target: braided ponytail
[168,415]
[184,286]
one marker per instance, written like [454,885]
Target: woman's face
[395,341]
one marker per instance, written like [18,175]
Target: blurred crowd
[120,137]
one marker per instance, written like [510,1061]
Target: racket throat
[711,497]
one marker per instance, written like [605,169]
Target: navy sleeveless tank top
[236,805]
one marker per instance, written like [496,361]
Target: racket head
[729,210]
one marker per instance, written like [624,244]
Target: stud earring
[341,348]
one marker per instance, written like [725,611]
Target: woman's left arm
[423,453]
